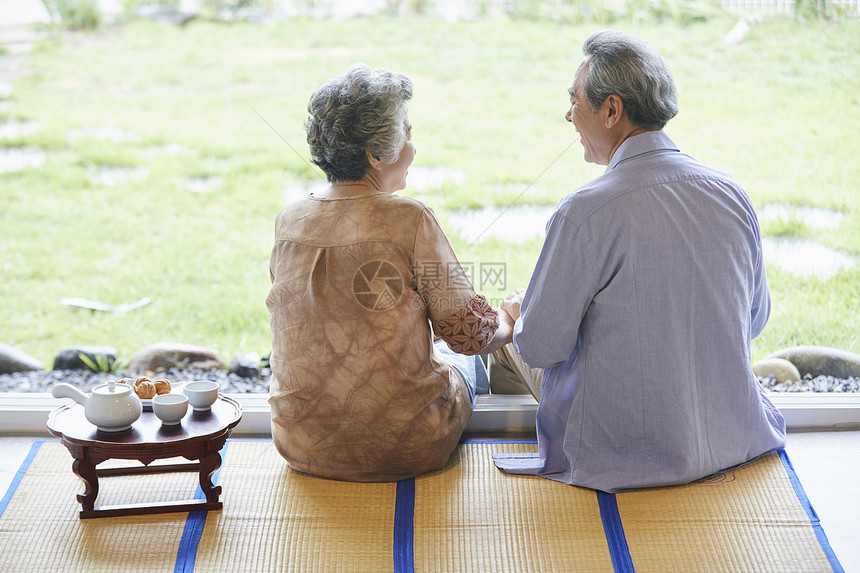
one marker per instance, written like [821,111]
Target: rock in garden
[95,358]
[166,15]
[165,355]
[781,369]
[14,360]
[821,361]
[246,365]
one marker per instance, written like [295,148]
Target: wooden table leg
[85,470]
[209,464]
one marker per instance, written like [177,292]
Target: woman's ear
[372,161]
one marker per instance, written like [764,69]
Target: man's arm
[560,290]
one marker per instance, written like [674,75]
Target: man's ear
[614,111]
[372,161]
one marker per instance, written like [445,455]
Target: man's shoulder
[580,203]
[653,156]
[654,169]
[594,191]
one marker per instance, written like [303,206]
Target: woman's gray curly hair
[359,111]
[624,65]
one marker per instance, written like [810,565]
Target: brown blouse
[358,392]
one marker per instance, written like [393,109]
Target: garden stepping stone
[813,217]
[202,184]
[17,158]
[423,179]
[514,223]
[111,176]
[14,129]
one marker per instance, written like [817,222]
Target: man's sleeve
[760,304]
[558,295]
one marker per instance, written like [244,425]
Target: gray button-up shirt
[647,292]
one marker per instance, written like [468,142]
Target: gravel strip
[817,384]
[43,381]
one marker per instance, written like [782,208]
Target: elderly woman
[359,390]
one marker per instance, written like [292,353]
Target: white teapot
[111,407]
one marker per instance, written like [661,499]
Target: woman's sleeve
[461,317]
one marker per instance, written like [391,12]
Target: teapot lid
[111,388]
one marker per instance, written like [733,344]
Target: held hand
[504,333]
[512,303]
[505,318]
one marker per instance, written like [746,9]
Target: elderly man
[647,292]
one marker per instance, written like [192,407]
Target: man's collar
[636,145]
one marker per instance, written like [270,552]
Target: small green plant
[820,9]
[102,362]
[782,227]
[228,8]
[74,14]
[130,7]
[678,11]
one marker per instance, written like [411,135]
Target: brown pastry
[141,380]
[145,389]
[162,386]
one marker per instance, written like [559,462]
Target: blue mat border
[404,527]
[492,441]
[186,555]
[810,512]
[613,529]
[16,481]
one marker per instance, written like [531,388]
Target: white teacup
[170,408]
[201,394]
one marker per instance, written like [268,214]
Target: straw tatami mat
[746,519]
[472,517]
[465,517]
[276,519]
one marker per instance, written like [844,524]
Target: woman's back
[358,392]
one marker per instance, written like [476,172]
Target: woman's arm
[461,317]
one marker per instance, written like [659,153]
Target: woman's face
[394,174]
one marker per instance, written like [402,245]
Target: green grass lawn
[779,111]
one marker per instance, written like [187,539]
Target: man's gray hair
[621,64]
[359,111]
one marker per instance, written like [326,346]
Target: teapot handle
[64,390]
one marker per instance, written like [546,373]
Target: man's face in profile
[590,125]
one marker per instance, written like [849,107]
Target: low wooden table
[200,437]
